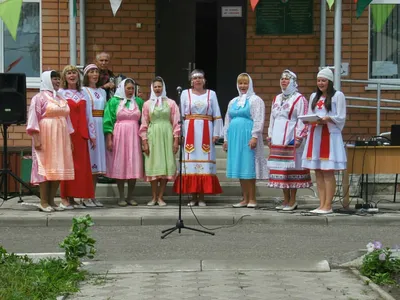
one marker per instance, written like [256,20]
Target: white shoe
[252,205]
[202,204]
[151,203]
[315,211]
[239,205]
[66,207]
[192,203]
[97,203]
[280,207]
[79,206]
[88,203]
[161,202]
[324,212]
[47,209]
[290,208]
[58,208]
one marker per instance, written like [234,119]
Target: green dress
[160,163]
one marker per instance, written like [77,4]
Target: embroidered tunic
[97,98]
[50,118]
[160,125]
[202,122]
[82,121]
[285,129]
[324,148]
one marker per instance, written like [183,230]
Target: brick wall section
[133,54]
[268,56]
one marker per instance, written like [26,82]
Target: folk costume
[202,122]
[284,131]
[97,98]
[324,148]
[121,119]
[82,121]
[244,120]
[48,115]
[160,125]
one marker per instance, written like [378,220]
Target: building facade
[169,38]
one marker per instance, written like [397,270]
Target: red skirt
[202,184]
[82,185]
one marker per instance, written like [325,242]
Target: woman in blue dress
[244,124]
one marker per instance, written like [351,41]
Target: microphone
[179,89]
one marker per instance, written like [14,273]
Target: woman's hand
[215,139]
[306,122]
[109,143]
[93,143]
[298,143]
[225,146]
[324,120]
[253,143]
[176,145]
[145,147]
[37,144]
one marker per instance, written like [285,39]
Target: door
[175,42]
[194,34]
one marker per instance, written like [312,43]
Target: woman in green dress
[160,133]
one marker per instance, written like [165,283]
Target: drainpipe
[322,41]
[337,54]
[82,32]
[72,33]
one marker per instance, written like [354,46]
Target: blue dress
[241,159]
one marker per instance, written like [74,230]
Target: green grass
[23,279]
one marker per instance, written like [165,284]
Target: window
[384,41]
[25,52]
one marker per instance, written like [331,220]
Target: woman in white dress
[324,150]
[203,127]
[286,135]
[97,98]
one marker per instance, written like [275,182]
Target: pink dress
[50,118]
[125,161]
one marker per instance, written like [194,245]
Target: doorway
[194,34]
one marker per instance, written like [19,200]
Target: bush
[379,265]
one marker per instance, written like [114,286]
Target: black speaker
[12,98]
[395,135]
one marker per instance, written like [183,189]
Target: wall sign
[231,11]
[280,17]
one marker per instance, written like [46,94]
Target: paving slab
[232,285]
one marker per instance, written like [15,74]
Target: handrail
[378,99]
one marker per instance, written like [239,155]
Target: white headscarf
[250,92]
[157,101]
[292,86]
[120,93]
[46,84]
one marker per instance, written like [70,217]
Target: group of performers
[79,134]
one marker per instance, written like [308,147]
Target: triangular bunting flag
[330,3]
[361,6]
[253,4]
[380,14]
[115,4]
[10,12]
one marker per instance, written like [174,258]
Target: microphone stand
[179,223]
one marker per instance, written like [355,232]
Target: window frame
[394,81]
[31,82]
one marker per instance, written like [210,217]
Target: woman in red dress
[82,121]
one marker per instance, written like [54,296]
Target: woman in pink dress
[82,120]
[121,128]
[50,127]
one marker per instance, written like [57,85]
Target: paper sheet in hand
[309,118]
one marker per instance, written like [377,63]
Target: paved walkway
[230,285]
[14,214]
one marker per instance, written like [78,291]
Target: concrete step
[231,190]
